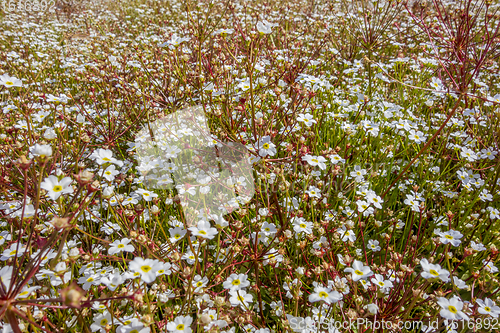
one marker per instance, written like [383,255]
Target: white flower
[102,156]
[265,27]
[468,154]
[113,281]
[488,265]
[26,291]
[147,268]
[359,271]
[362,205]
[110,172]
[176,233]
[6,276]
[436,83]
[488,153]
[488,307]
[236,282]
[413,202]
[181,324]
[452,309]
[315,161]
[325,294]
[477,246]
[41,151]
[307,119]
[223,32]
[204,230]
[174,41]
[460,284]
[301,225]
[358,173]
[101,321]
[451,236]
[49,134]
[146,195]
[199,283]
[268,229]
[10,81]
[417,136]
[314,192]
[244,85]
[373,245]
[240,298]
[266,147]
[433,271]
[381,282]
[273,256]
[485,195]
[120,245]
[61,99]
[335,158]
[164,269]
[185,188]
[55,188]
[108,191]
[89,279]
[494,213]
[346,235]
[8,108]
[372,308]
[374,199]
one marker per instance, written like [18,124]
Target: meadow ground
[249,166]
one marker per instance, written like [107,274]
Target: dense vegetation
[250,166]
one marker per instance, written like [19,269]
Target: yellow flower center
[433,272]
[236,282]
[146,268]
[57,188]
[452,309]
[180,327]
[358,272]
